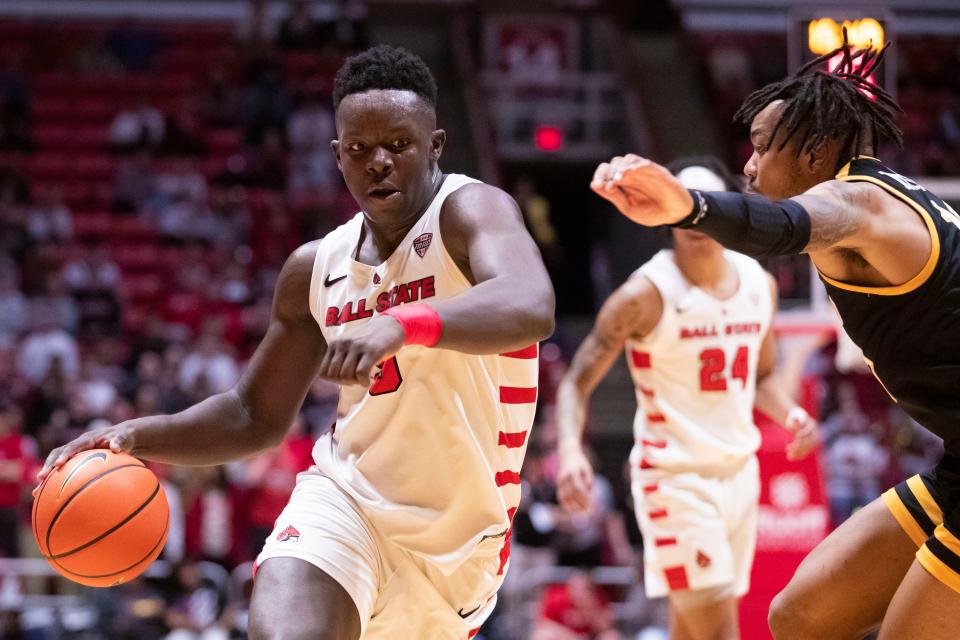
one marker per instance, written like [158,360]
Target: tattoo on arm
[834,217]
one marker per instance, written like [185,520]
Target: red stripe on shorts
[645,391]
[527,353]
[641,359]
[505,552]
[656,444]
[513,440]
[676,578]
[645,464]
[657,513]
[650,488]
[473,632]
[518,395]
[507,477]
[665,542]
[656,417]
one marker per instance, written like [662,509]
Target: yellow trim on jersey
[938,568]
[903,517]
[922,494]
[917,280]
[846,168]
[948,539]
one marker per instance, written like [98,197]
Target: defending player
[401,529]
[888,251]
[695,321]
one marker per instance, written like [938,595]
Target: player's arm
[510,307]
[253,415]
[834,216]
[633,310]
[773,399]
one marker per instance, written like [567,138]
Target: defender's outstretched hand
[642,190]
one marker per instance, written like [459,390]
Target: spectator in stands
[49,219]
[196,607]
[56,305]
[13,305]
[135,183]
[92,270]
[209,363]
[309,132]
[856,460]
[45,348]
[575,610]
[138,127]
[17,462]
[131,611]
[213,515]
[299,31]
[15,94]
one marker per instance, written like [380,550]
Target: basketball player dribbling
[696,325]
[888,252]
[426,308]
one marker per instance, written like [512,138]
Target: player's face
[387,151]
[773,172]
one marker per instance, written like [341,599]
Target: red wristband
[420,322]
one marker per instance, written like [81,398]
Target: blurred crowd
[216,188]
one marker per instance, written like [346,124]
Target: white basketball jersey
[695,373]
[432,451]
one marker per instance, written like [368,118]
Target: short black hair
[712,164]
[384,67]
[841,105]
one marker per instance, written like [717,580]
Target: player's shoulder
[478,199]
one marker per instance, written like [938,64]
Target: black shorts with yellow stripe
[927,506]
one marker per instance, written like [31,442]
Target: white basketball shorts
[397,594]
[699,532]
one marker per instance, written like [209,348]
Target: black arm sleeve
[749,224]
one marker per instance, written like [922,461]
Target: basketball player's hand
[352,357]
[574,480]
[806,434]
[118,438]
[642,190]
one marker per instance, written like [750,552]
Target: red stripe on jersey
[641,359]
[656,417]
[505,552]
[651,488]
[507,477]
[659,513]
[527,353]
[665,542]
[473,632]
[518,395]
[656,444]
[513,440]
[676,578]
[645,390]
[645,464]
[510,513]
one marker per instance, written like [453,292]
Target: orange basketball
[101,519]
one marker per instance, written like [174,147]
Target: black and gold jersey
[910,333]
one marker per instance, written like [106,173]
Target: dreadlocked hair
[820,105]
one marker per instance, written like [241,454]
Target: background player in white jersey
[427,308]
[696,324]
